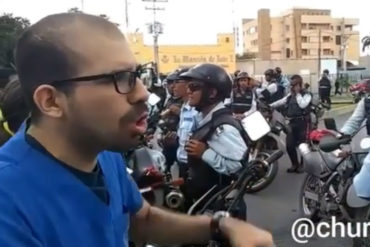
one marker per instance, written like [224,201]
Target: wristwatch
[216,233]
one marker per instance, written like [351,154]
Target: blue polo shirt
[43,204]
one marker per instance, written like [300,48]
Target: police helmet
[213,76]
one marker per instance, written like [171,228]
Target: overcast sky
[186,21]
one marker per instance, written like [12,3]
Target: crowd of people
[66,119]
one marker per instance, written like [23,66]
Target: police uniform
[244,102]
[226,149]
[171,122]
[324,89]
[270,91]
[297,112]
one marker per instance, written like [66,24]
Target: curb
[340,111]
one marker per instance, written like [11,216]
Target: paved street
[277,207]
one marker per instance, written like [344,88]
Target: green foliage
[11,28]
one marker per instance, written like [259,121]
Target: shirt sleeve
[280,102]
[303,101]
[14,230]
[354,122]
[226,150]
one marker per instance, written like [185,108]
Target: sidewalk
[340,110]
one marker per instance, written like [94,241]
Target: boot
[292,169]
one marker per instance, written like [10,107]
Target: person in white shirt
[297,104]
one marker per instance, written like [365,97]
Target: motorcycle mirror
[365,143]
[330,124]
[153,99]
[256,126]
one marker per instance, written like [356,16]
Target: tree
[365,42]
[74,10]
[246,55]
[77,10]
[10,29]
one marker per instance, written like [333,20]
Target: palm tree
[365,42]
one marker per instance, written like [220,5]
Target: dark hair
[42,55]
[297,78]
[14,108]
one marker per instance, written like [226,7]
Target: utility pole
[126,17]
[319,55]
[155,28]
[343,45]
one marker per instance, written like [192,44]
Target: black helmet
[175,75]
[213,76]
[242,75]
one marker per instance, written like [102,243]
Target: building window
[287,28]
[327,52]
[338,40]
[339,28]
[304,26]
[287,40]
[332,53]
[326,39]
[227,40]
[287,53]
[304,39]
[291,53]
[349,27]
[305,52]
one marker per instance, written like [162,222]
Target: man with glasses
[63,180]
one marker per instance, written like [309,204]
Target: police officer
[281,80]
[170,119]
[325,88]
[217,147]
[270,91]
[244,100]
[352,125]
[297,112]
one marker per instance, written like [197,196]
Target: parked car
[358,90]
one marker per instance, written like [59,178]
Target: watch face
[221,214]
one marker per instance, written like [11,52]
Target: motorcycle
[327,189]
[263,148]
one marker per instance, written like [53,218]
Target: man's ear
[49,101]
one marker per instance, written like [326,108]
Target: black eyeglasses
[195,86]
[124,80]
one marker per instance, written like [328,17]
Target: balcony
[316,19]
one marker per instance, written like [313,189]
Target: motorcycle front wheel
[270,173]
[309,203]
